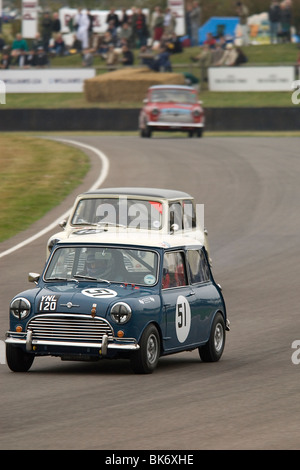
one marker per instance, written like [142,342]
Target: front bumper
[25,341]
[175,125]
[62,334]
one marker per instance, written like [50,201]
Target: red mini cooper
[171,108]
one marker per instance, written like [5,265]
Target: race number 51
[183,318]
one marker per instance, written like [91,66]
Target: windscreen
[173,96]
[124,265]
[126,212]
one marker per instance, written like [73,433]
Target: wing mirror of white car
[145,100]
[63,223]
[33,277]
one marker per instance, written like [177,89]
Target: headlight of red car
[154,113]
[198,114]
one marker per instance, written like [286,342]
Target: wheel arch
[157,326]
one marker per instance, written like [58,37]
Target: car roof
[179,87]
[133,240]
[145,192]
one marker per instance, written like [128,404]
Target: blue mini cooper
[108,296]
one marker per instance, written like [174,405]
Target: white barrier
[271,78]
[45,80]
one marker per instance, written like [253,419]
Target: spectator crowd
[154,38]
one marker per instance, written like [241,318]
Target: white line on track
[102,176]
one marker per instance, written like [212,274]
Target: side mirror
[33,277]
[63,223]
[145,100]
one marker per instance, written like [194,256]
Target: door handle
[190,294]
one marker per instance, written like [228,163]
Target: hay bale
[127,85]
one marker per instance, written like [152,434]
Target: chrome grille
[60,327]
[170,115]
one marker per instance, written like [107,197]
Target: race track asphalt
[249,399]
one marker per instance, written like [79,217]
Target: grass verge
[35,176]
[210,100]
[270,54]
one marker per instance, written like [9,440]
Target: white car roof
[147,239]
[179,87]
[143,192]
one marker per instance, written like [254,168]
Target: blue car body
[139,314]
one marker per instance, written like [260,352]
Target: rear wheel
[199,132]
[213,349]
[17,359]
[145,359]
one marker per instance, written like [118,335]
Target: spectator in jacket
[162,62]
[274,18]
[127,56]
[285,21]
[46,31]
[194,17]
[243,13]
[140,28]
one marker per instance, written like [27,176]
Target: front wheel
[213,349]
[147,132]
[145,359]
[17,359]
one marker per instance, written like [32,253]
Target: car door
[206,295]
[178,303]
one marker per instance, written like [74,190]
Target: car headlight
[120,312]
[155,111]
[197,112]
[20,308]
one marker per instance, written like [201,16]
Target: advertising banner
[45,81]
[251,78]
[29,18]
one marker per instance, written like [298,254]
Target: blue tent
[218,25]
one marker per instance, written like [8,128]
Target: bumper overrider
[64,334]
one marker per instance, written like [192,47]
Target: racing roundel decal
[183,318]
[99,293]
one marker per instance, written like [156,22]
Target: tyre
[190,133]
[147,132]
[199,132]
[17,359]
[213,349]
[145,359]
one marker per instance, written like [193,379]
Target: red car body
[172,108]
